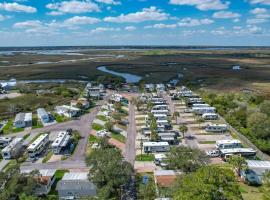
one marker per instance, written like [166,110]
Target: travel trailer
[38,146]
[244,152]
[228,144]
[12,149]
[210,116]
[216,128]
[151,147]
[62,140]
[203,110]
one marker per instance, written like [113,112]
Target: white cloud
[188,22]
[78,20]
[256,21]
[104,29]
[73,6]
[226,15]
[203,4]
[257,11]
[28,24]
[162,26]
[264,2]
[15,7]
[147,14]
[54,13]
[4,17]
[109,2]
[130,28]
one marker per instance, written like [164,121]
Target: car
[213,153]
[188,110]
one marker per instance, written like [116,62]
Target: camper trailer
[12,149]
[62,140]
[228,144]
[202,110]
[244,152]
[216,128]
[150,147]
[4,141]
[210,116]
[38,146]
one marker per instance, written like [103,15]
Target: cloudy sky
[134,22]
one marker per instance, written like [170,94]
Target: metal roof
[61,140]
[258,164]
[12,144]
[75,176]
[38,141]
[155,144]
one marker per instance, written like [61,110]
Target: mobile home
[150,147]
[210,116]
[62,140]
[216,128]
[23,120]
[12,149]
[228,144]
[43,115]
[38,146]
[67,111]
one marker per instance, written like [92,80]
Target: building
[61,142]
[4,141]
[45,179]
[80,103]
[160,87]
[12,149]
[165,178]
[38,146]
[23,120]
[94,90]
[255,171]
[150,147]
[67,111]
[75,185]
[43,115]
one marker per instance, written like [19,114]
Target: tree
[266,186]
[153,127]
[208,183]
[118,106]
[265,107]
[238,162]
[259,124]
[109,125]
[108,170]
[176,114]
[147,191]
[183,129]
[186,159]
[149,105]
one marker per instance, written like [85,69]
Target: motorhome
[216,128]
[4,141]
[244,152]
[202,110]
[62,140]
[162,112]
[160,107]
[150,147]
[210,116]
[200,105]
[160,116]
[38,146]
[228,144]
[12,149]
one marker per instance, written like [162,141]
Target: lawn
[8,128]
[250,192]
[102,118]
[26,136]
[92,139]
[97,127]
[118,137]
[36,123]
[60,118]
[145,157]
[207,142]
[58,176]
[47,157]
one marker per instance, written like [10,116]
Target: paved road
[130,152]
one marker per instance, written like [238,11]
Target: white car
[213,153]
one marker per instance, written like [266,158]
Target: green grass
[207,142]
[145,157]
[102,118]
[118,137]
[47,157]
[26,136]
[97,127]
[36,123]
[92,139]
[58,176]
[60,118]
[8,128]
[11,164]
[250,192]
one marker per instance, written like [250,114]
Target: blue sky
[134,22]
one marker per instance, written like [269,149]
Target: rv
[228,144]
[61,142]
[169,137]
[162,112]
[200,105]
[160,107]
[12,149]
[202,110]
[244,152]
[210,116]
[4,141]
[38,146]
[159,159]
[216,128]
[150,147]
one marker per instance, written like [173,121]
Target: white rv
[244,152]
[160,107]
[210,116]
[202,110]
[228,144]
[162,112]
[12,149]
[200,105]
[150,147]
[38,146]
[61,141]
[216,128]
[160,158]
[4,141]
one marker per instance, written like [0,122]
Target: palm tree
[183,129]
[238,162]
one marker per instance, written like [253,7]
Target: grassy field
[145,157]
[118,137]
[250,192]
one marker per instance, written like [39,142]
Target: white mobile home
[12,149]
[202,110]
[150,147]
[228,144]
[210,116]
[4,141]
[61,142]
[43,115]
[244,152]
[216,128]
[67,111]
[38,146]
[23,120]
